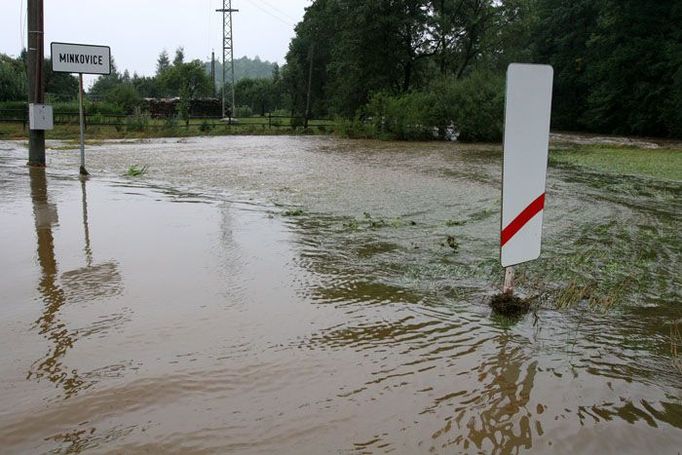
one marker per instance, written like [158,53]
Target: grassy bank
[663,163]
[161,128]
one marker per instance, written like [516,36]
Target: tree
[105,83]
[560,39]
[125,96]
[382,46]
[183,107]
[258,94]
[617,64]
[147,87]
[393,46]
[634,55]
[60,86]
[13,83]
[190,77]
[162,63]
[179,56]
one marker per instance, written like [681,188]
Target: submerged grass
[136,171]
[663,163]
[676,344]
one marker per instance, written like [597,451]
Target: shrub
[242,111]
[138,121]
[297,122]
[405,117]
[170,122]
[125,96]
[205,127]
[474,106]
[356,128]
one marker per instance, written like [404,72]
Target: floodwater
[315,295]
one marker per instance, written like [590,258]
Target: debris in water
[294,212]
[508,304]
[452,243]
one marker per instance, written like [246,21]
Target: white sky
[138,30]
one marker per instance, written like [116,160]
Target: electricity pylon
[228,48]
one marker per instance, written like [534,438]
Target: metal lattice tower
[228,48]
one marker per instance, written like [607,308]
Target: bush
[242,111]
[356,128]
[138,121]
[170,123]
[404,117]
[297,122]
[125,96]
[280,113]
[205,127]
[474,106]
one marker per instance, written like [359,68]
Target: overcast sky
[138,30]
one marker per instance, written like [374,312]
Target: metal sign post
[81,59]
[526,149]
[82,123]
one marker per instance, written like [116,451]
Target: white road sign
[81,58]
[526,148]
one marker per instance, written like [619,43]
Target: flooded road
[316,295]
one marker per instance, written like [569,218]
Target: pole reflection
[53,295]
[503,422]
[80,286]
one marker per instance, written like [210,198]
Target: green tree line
[414,68]
[618,63]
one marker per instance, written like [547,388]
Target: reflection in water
[88,282]
[54,297]
[92,281]
[503,424]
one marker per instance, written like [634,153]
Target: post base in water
[83,171]
[508,304]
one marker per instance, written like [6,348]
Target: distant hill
[244,67]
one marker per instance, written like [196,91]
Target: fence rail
[138,122]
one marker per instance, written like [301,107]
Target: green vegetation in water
[509,305]
[676,344]
[293,212]
[452,243]
[658,163]
[368,221]
[136,171]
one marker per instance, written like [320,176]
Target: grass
[136,171]
[161,128]
[293,212]
[664,163]
[676,344]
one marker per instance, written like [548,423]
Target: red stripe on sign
[524,217]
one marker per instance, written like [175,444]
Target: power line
[284,21]
[274,8]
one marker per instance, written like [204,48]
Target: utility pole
[310,83]
[213,71]
[228,48]
[36,84]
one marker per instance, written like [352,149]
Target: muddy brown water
[299,295]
